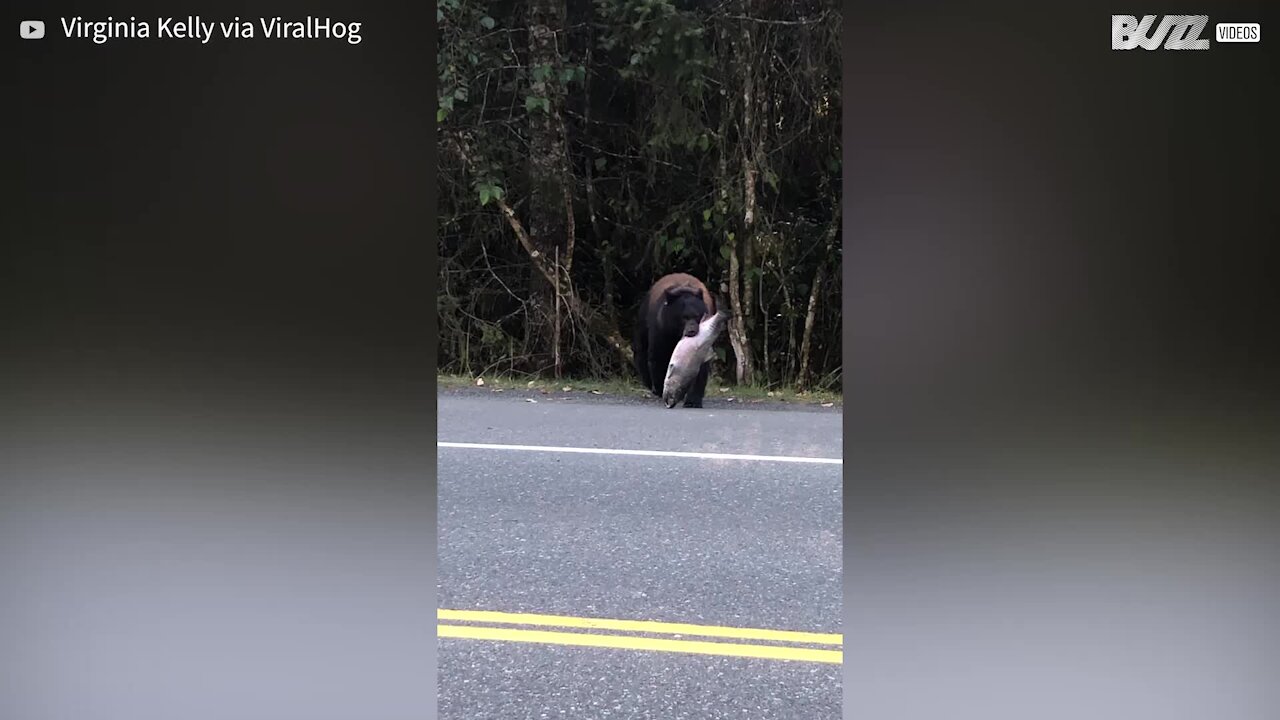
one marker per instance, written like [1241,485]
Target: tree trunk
[739,276]
[790,365]
[557,325]
[548,189]
[593,214]
[802,382]
[737,336]
[815,291]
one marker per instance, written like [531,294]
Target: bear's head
[683,307]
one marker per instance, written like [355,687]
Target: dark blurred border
[1061,398]
[216,421]
[217,414]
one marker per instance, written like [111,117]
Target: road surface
[571,548]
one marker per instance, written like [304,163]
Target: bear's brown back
[682,280]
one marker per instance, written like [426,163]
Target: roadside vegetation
[588,147]
[628,388]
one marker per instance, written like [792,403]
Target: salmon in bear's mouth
[688,357]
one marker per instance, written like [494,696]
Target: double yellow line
[592,637]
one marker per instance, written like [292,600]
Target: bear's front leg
[657,375]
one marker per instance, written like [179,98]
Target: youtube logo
[31,29]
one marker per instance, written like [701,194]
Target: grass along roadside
[628,388]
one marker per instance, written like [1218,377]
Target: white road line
[648,453]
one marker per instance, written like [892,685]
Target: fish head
[673,395]
[676,384]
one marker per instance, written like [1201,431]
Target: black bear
[671,310]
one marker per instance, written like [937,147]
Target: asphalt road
[738,543]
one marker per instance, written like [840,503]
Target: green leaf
[601,162]
[460,94]
[731,237]
[541,72]
[706,215]
[531,102]
[487,22]
[636,58]
[771,179]
[703,142]
[725,251]
[439,15]
[441,114]
[484,194]
[497,192]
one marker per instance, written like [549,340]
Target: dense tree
[589,147]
